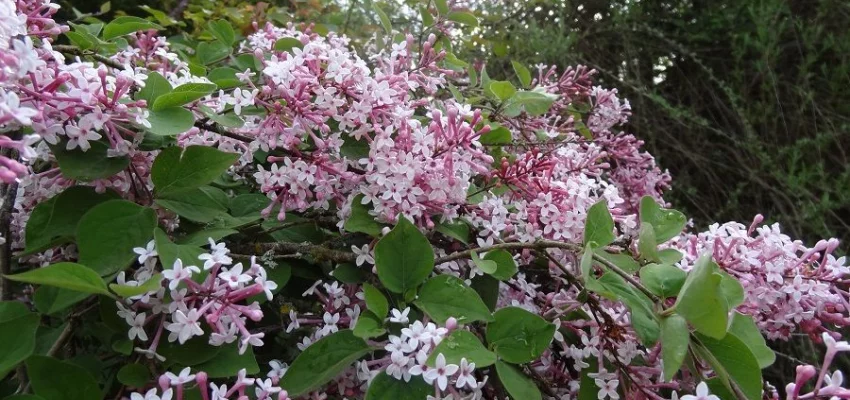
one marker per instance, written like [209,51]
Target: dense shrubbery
[287,215]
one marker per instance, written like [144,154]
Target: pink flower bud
[164,383]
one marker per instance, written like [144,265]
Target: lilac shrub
[376,222]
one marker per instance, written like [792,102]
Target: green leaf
[586,266]
[126,25]
[170,121]
[195,351]
[52,379]
[88,165]
[500,135]
[360,219]
[599,226]
[675,338]
[198,204]
[506,266]
[211,52]
[227,119]
[155,85]
[425,14]
[701,301]
[500,49]
[518,336]
[640,306]
[125,291]
[224,77]
[442,6]
[82,39]
[519,386]
[488,266]
[170,252]
[666,223]
[10,310]
[487,288]
[445,296]
[746,330]
[458,230]
[199,238]
[731,290]
[123,346]
[369,325]
[54,221]
[287,44]
[532,102]
[385,21]
[222,31]
[50,300]
[404,257]
[354,149]
[134,375]
[176,169]
[64,275]
[522,73]
[375,301]
[385,387]
[160,16]
[587,387]
[463,344]
[279,274]
[463,17]
[183,94]
[732,360]
[227,362]
[647,245]
[107,234]
[662,279]
[624,261]
[670,256]
[503,90]
[18,328]
[349,273]
[322,361]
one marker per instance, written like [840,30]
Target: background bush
[745,101]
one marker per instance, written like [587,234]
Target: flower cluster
[788,286]
[182,302]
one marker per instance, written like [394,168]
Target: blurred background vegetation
[746,102]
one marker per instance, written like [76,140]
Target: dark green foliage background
[746,102]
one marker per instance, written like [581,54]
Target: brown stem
[63,338]
[541,382]
[76,51]
[550,244]
[216,128]
[7,201]
[318,252]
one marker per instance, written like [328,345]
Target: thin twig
[176,11]
[76,51]
[63,338]
[548,244]
[216,128]
[318,252]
